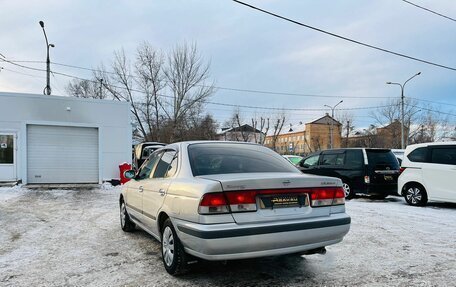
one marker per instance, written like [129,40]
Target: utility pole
[47,89]
[402,106]
[101,88]
[332,123]
[348,132]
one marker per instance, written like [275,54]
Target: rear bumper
[386,189]
[232,241]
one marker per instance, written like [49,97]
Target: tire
[415,195]
[125,222]
[173,254]
[348,190]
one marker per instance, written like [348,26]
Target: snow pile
[11,192]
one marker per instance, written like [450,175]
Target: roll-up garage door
[61,154]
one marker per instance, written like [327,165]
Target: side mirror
[129,174]
[304,165]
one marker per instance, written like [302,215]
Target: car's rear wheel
[173,254]
[125,221]
[415,195]
[348,191]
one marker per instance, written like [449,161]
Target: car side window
[163,164]
[443,156]
[172,168]
[354,158]
[311,161]
[333,159]
[418,155]
[148,166]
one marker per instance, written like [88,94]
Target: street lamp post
[47,89]
[332,122]
[402,105]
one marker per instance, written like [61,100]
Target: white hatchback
[427,173]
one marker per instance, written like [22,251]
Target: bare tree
[390,115]
[186,74]
[85,89]
[151,80]
[163,94]
[120,85]
[347,119]
[277,128]
[262,127]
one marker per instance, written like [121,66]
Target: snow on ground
[73,238]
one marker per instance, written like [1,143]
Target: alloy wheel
[346,189]
[168,246]
[414,195]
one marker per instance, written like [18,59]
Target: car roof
[430,144]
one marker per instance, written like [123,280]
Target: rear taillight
[246,200]
[401,170]
[327,196]
[339,196]
[213,203]
[240,201]
[367,179]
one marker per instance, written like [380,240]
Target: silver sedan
[229,200]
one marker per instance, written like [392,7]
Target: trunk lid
[383,167]
[283,196]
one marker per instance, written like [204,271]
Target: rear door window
[443,155]
[148,166]
[382,159]
[333,159]
[354,159]
[164,164]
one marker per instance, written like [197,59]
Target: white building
[52,139]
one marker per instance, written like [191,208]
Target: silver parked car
[227,200]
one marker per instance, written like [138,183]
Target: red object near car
[123,168]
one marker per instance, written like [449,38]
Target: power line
[435,102]
[207,102]
[345,38]
[429,10]
[25,74]
[224,88]
[235,89]
[218,87]
[431,110]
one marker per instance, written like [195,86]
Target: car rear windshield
[214,158]
[382,159]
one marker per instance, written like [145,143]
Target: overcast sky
[248,49]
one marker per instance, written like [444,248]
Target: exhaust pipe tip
[321,250]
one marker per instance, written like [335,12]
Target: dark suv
[362,170]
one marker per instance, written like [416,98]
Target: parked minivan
[428,172]
[362,170]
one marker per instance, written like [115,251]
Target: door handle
[141,189]
[162,192]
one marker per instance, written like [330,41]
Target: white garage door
[57,154]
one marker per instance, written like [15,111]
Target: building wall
[112,118]
[315,137]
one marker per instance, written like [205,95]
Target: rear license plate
[388,177]
[281,201]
